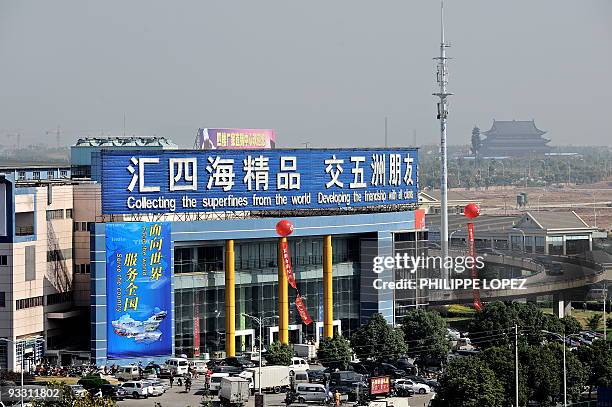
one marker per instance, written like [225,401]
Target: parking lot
[178,397]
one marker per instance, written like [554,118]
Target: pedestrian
[180,382]
[171,380]
[337,398]
[188,383]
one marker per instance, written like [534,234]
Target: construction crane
[16,136]
[57,133]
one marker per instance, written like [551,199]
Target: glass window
[2,299]
[30,263]
[68,213]
[55,214]
[3,260]
[21,175]
[64,173]
[539,244]
[36,175]
[50,174]
[555,245]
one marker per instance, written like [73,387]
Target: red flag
[196,331]
[287,264]
[301,307]
[472,254]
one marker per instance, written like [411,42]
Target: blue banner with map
[138,286]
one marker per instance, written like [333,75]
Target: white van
[215,381]
[199,366]
[129,372]
[299,364]
[178,366]
[312,392]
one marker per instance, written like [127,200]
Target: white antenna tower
[442,79]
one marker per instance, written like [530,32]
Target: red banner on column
[301,307]
[287,264]
[472,255]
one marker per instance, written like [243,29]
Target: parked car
[113,391]
[232,370]
[77,390]
[136,389]
[416,387]
[318,376]
[156,387]
[419,379]
[387,369]
[242,363]
[312,393]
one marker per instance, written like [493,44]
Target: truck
[234,391]
[305,350]
[273,378]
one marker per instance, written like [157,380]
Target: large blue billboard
[163,181]
[138,286]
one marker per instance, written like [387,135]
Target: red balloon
[284,228]
[471,210]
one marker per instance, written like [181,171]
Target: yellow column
[328,295]
[283,297]
[230,300]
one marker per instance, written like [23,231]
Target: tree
[501,361]
[597,358]
[577,374]
[68,399]
[279,354]
[426,333]
[468,382]
[571,325]
[476,141]
[593,321]
[545,374]
[335,352]
[378,340]
[494,325]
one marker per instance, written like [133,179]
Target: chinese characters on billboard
[213,139]
[138,285]
[222,180]
[380,385]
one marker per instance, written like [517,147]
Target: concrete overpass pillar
[561,306]
[230,300]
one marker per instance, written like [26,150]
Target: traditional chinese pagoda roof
[513,128]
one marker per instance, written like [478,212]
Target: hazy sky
[326,72]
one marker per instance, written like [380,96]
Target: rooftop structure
[514,138]
[82,150]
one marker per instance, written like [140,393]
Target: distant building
[511,138]
[81,151]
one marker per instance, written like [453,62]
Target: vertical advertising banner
[287,264]
[472,255]
[138,286]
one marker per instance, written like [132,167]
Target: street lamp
[22,361]
[260,321]
[565,337]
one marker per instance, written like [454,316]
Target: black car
[239,362]
[109,390]
[386,369]
[318,376]
[232,370]
[404,364]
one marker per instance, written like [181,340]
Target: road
[177,397]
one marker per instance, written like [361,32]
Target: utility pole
[442,79]
[516,367]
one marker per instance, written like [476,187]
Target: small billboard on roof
[223,139]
